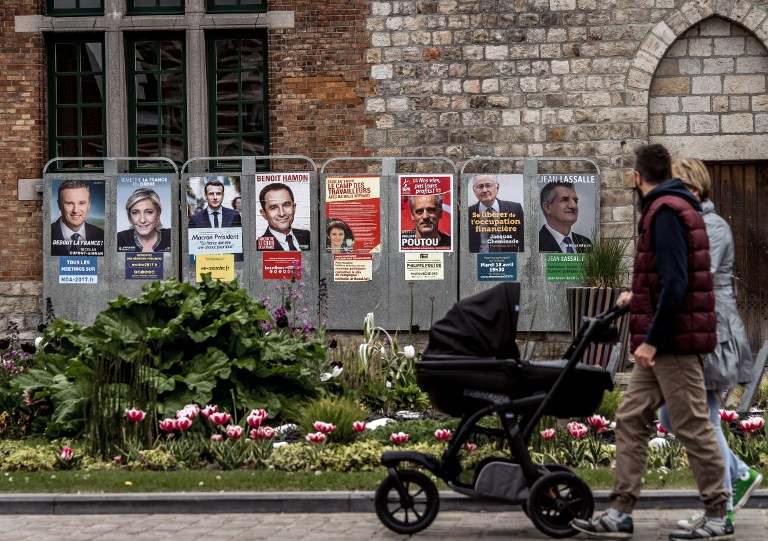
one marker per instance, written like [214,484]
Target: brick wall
[713,80]
[318,80]
[22,152]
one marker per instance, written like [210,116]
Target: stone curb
[289,502]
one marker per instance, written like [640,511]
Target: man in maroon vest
[672,323]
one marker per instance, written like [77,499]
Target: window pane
[92,89]
[90,3]
[146,55]
[252,54]
[225,2]
[66,89]
[92,55]
[170,54]
[226,87]
[66,57]
[227,119]
[92,121]
[173,3]
[64,4]
[253,88]
[173,148]
[253,117]
[253,146]
[146,88]
[146,147]
[66,121]
[146,120]
[226,54]
[173,120]
[92,148]
[229,146]
[67,147]
[171,87]
[144,3]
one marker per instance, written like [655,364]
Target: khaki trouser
[678,381]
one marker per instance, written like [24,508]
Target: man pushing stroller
[672,323]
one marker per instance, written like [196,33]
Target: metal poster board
[106,234]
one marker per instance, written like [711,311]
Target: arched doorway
[708,99]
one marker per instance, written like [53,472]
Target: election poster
[426,218]
[353,214]
[283,217]
[215,226]
[567,212]
[144,213]
[495,213]
[78,206]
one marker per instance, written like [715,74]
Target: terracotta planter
[589,301]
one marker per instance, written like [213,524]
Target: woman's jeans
[734,466]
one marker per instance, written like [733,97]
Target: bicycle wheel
[412,511]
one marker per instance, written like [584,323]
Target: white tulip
[38,341]
[409,352]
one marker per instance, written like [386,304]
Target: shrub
[339,411]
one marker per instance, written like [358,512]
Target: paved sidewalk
[650,525]
[311,516]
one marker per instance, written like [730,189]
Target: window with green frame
[74,8]
[156,7]
[76,100]
[157,115]
[240,6]
[237,67]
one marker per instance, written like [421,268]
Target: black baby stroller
[471,370]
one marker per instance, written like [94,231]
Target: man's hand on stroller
[624,298]
[644,355]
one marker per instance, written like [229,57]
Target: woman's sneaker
[706,528]
[605,527]
[743,488]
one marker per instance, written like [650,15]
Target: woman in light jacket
[731,363]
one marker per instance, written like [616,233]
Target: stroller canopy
[483,325]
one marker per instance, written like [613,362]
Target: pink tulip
[219,418]
[66,454]
[135,415]
[598,422]
[661,429]
[358,426]
[398,438]
[216,437]
[752,424]
[260,413]
[167,425]
[548,434]
[577,430]
[234,431]
[207,410]
[316,437]
[325,428]
[262,433]
[184,423]
[189,411]
[471,447]
[443,434]
[728,416]
[118,459]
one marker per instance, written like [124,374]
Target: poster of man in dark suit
[495,225]
[278,208]
[71,234]
[560,206]
[215,215]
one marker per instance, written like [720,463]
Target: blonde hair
[694,174]
[140,195]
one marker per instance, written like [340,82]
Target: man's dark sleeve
[671,246]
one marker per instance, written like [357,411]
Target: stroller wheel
[411,511]
[556,499]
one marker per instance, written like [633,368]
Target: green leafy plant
[339,411]
[603,265]
[175,344]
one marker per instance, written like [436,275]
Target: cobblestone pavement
[650,525]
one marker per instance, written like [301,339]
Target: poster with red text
[426,217]
[353,214]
